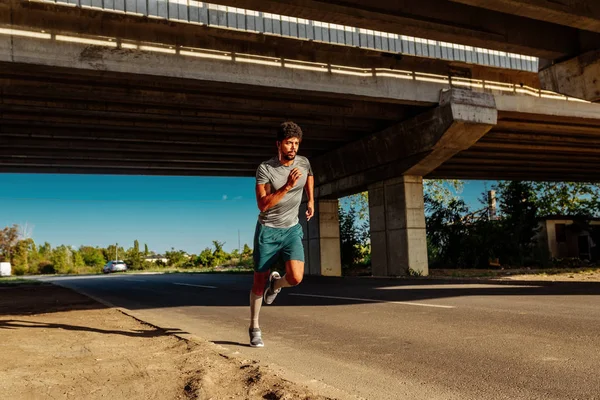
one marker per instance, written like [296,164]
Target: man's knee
[260,281]
[293,278]
[258,290]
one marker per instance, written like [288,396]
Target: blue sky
[185,213]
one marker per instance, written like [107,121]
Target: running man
[279,185]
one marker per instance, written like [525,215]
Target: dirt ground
[57,344]
[576,276]
[523,274]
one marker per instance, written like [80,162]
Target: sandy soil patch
[523,274]
[57,344]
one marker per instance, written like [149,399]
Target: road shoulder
[57,343]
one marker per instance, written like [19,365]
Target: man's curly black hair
[287,130]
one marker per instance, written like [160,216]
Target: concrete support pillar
[322,239]
[398,238]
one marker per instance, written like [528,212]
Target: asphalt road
[388,339]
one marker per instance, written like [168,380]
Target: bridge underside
[83,92]
[75,121]
[64,120]
[530,147]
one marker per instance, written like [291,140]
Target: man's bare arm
[267,199]
[310,190]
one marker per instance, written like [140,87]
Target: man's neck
[285,162]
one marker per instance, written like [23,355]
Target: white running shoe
[270,294]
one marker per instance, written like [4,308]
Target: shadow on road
[138,333]
[228,343]
[42,299]
[200,290]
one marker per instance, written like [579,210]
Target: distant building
[156,258]
[570,237]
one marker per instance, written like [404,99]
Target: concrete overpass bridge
[85,91]
[564,34]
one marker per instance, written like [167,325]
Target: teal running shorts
[272,243]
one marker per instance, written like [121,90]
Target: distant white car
[5,269]
[114,266]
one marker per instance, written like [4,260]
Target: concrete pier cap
[390,164]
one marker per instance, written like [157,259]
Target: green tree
[45,250]
[20,261]
[350,240]
[442,191]
[246,252]
[206,258]
[446,232]
[460,238]
[62,260]
[134,257]
[33,258]
[44,259]
[219,255]
[9,237]
[517,203]
[359,202]
[175,257]
[566,198]
[92,256]
[111,252]
[146,250]
[78,261]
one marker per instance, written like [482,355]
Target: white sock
[255,304]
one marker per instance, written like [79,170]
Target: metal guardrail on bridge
[198,12]
[209,54]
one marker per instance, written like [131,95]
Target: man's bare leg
[294,272]
[255,304]
[256,297]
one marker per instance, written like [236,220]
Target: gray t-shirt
[285,213]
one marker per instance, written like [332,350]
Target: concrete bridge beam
[577,77]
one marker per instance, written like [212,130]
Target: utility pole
[239,247]
[492,205]
[117,252]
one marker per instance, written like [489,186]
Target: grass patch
[199,270]
[164,270]
[14,281]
